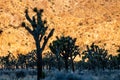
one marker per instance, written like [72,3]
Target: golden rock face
[89,21]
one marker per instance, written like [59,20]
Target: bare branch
[51,33]
[39,19]
[27,28]
[27,16]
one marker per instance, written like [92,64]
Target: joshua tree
[65,47]
[21,62]
[49,60]
[96,57]
[8,61]
[31,59]
[114,61]
[38,31]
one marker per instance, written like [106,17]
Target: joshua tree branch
[46,38]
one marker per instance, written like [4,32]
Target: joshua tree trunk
[39,66]
[72,64]
[66,64]
[58,63]
[39,61]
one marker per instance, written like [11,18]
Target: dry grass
[62,75]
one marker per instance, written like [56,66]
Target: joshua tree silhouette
[65,47]
[38,31]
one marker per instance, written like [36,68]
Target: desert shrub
[20,74]
[114,62]
[43,74]
[32,72]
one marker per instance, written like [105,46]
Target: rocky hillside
[89,21]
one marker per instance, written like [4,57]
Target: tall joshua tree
[38,31]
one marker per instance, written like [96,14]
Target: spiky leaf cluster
[39,26]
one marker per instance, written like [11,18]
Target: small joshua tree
[49,60]
[21,62]
[31,59]
[38,31]
[96,57]
[118,57]
[8,61]
[114,61]
[65,47]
